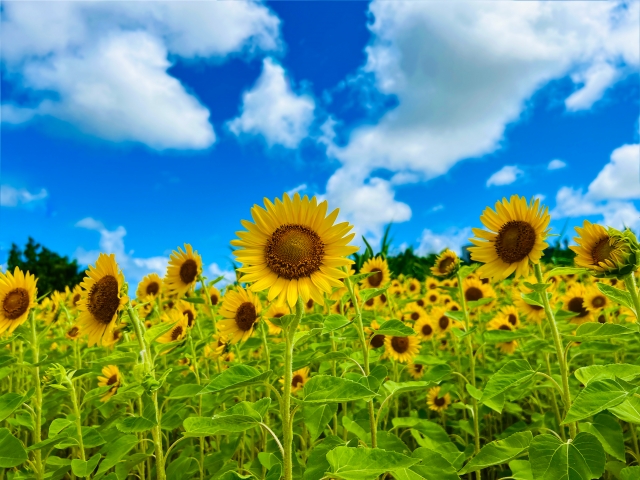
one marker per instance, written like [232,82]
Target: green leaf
[354,428]
[395,328]
[137,424]
[365,463]
[434,466]
[124,467]
[630,473]
[565,271]
[511,375]
[317,462]
[628,411]
[612,371]
[395,388]
[9,402]
[12,453]
[84,468]
[433,432]
[478,303]
[499,452]
[616,295]
[157,331]
[206,426]
[303,335]
[497,336]
[521,470]
[598,396]
[115,450]
[537,287]
[186,390]
[494,403]
[316,418]
[580,459]
[328,389]
[532,298]
[564,316]
[369,293]
[334,322]
[95,393]
[456,315]
[460,334]
[58,425]
[197,300]
[236,376]
[609,432]
[602,331]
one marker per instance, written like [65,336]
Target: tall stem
[630,283]
[559,350]
[207,300]
[287,419]
[76,412]
[37,433]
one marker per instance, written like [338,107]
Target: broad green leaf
[334,322]
[395,328]
[388,441]
[609,432]
[328,389]
[84,468]
[58,425]
[304,335]
[499,452]
[9,402]
[395,388]
[354,428]
[511,375]
[478,303]
[630,473]
[186,390]
[124,467]
[602,331]
[448,449]
[532,298]
[434,466]
[369,293]
[91,437]
[236,376]
[564,315]
[628,411]
[194,299]
[616,295]
[612,371]
[238,418]
[317,462]
[128,393]
[437,373]
[157,331]
[12,453]
[115,451]
[537,287]
[521,469]
[456,315]
[495,403]
[137,424]
[316,418]
[376,376]
[365,463]
[553,459]
[598,396]
[460,334]
[433,432]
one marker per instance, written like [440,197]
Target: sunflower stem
[559,350]
[37,407]
[287,417]
[630,283]
[207,298]
[76,412]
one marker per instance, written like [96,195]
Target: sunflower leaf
[328,389]
[395,328]
[334,322]
[194,300]
[602,331]
[514,373]
[617,295]
[580,459]
[565,271]
[597,396]
[9,402]
[369,293]
[12,453]
[365,463]
[537,287]
[625,371]
[157,331]
[499,452]
[478,303]
[236,376]
[609,432]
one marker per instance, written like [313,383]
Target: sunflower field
[303,368]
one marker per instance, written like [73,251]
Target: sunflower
[432,284]
[574,302]
[214,295]
[446,264]
[276,310]
[101,300]
[188,310]
[112,378]
[534,313]
[501,322]
[309,306]
[73,333]
[424,329]
[440,321]
[380,268]
[474,290]
[298,379]
[508,347]
[432,297]
[112,338]
[401,349]
[414,313]
[183,271]
[595,301]
[511,314]
[453,306]
[294,249]
[416,371]
[376,341]
[515,239]
[74,296]
[412,287]
[149,286]
[144,306]
[241,311]
[597,250]
[436,402]
[217,348]
[178,330]
[17,296]
[396,289]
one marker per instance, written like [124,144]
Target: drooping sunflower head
[185,266]
[605,252]
[294,249]
[111,377]
[102,299]
[179,327]
[73,333]
[17,297]
[241,311]
[379,267]
[446,264]
[508,347]
[149,286]
[514,239]
[402,349]
[436,402]
[574,301]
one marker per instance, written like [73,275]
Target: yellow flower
[414,313]
[535,313]
[188,310]
[510,313]
[413,287]
[401,349]
[183,271]
[432,297]
[217,348]
[178,330]
[276,311]
[574,302]
[508,347]
[475,289]
[446,264]
[298,379]
[431,284]
[111,377]
[101,300]
[436,402]
[424,329]
[598,250]
[440,321]
[149,286]
[416,371]
[294,249]
[515,239]
[73,333]
[376,341]
[241,311]
[595,301]
[214,295]
[17,296]
[381,276]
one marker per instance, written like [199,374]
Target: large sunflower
[241,311]
[402,349]
[294,249]
[597,250]
[380,269]
[17,296]
[101,300]
[149,286]
[183,270]
[515,239]
[111,378]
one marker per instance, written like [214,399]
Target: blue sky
[135,127]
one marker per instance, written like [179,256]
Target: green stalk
[630,283]
[37,432]
[76,412]
[205,292]
[194,359]
[287,419]
[559,350]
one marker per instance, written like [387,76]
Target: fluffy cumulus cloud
[214,271]
[505,176]
[272,109]
[610,195]
[461,71]
[454,239]
[556,164]
[102,66]
[21,197]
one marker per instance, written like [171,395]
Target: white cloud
[540,196]
[112,241]
[462,71]
[106,63]
[16,197]
[505,176]
[300,188]
[620,178]
[454,239]
[596,80]
[215,271]
[556,164]
[272,109]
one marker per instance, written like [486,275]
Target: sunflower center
[512,319]
[536,307]
[73,331]
[412,287]
[383,298]
[602,319]
[76,298]
[443,322]
[400,344]
[576,305]
[444,265]
[376,279]
[153,288]
[417,368]
[427,330]
[103,299]
[377,341]
[176,332]
[296,380]
[369,302]
[433,298]
[246,316]
[515,241]
[15,303]
[599,301]
[190,317]
[188,271]
[214,299]
[310,303]
[420,303]
[472,294]
[601,251]
[294,251]
[112,379]
[439,401]
[415,316]
[504,327]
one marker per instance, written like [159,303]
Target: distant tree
[53,271]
